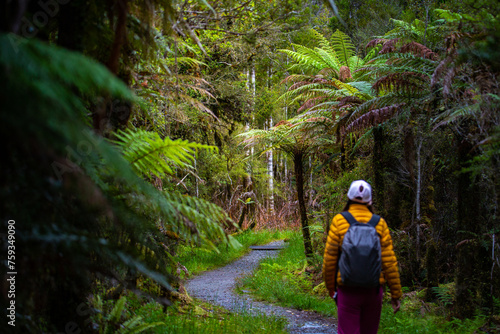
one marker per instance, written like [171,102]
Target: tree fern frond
[377,103]
[296,78]
[406,83]
[419,50]
[323,42]
[354,63]
[454,114]
[148,153]
[343,47]
[372,118]
[311,102]
[389,46]
[375,42]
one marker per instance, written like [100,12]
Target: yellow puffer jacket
[338,229]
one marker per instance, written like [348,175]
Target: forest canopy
[134,129]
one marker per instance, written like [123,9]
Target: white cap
[360,191]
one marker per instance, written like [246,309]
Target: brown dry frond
[406,82]
[373,117]
[320,79]
[283,122]
[311,103]
[419,50]
[298,85]
[349,100]
[374,42]
[389,46]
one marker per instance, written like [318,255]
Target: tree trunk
[270,172]
[299,175]
[468,279]
[378,164]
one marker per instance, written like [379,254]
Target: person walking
[354,281]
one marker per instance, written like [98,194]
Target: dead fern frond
[409,83]
[419,50]
[375,42]
[372,118]
[389,46]
[311,103]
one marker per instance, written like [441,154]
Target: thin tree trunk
[418,211]
[270,172]
[120,32]
[469,274]
[299,174]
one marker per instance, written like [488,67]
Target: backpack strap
[349,217]
[351,220]
[374,220]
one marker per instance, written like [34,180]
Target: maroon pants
[359,310]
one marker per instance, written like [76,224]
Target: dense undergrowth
[189,318]
[288,281]
[135,312]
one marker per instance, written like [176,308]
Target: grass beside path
[197,260]
[287,281]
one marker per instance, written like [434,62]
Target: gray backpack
[360,260]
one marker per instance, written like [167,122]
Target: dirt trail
[217,286]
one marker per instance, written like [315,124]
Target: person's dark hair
[349,202]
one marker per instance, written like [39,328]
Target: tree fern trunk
[299,174]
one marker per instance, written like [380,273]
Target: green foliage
[90,208]
[116,322]
[150,154]
[206,318]
[285,281]
[197,259]
[445,294]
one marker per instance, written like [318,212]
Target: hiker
[354,279]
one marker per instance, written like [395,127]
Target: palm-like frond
[343,46]
[372,118]
[311,59]
[150,154]
[403,83]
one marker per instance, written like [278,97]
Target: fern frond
[389,46]
[149,154]
[419,50]
[311,103]
[405,83]
[375,42]
[117,310]
[343,47]
[372,118]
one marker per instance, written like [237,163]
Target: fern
[149,154]
[93,198]
[112,323]
[343,46]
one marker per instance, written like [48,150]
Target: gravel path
[217,287]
